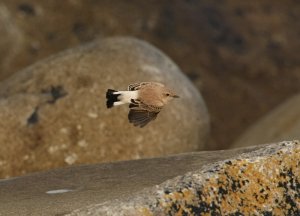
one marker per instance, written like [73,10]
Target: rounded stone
[54,112]
[282,123]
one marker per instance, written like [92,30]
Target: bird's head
[168,95]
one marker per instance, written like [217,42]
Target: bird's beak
[175,96]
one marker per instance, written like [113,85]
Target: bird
[145,99]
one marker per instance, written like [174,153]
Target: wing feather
[140,117]
[141,114]
[137,86]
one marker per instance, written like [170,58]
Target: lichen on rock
[262,182]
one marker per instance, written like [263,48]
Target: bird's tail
[111,97]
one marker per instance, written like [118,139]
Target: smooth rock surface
[256,175]
[282,123]
[54,113]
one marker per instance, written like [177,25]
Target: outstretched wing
[141,114]
[141,117]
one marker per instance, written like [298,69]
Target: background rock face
[256,179]
[283,123]
[54,112]
[242,55]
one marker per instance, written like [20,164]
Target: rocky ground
[235,65]
[243,56]
[54,113]
[262,180]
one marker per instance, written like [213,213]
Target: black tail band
[111,98]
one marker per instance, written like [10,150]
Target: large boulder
[54,112]
[236,52]
[282,123]
[259,180]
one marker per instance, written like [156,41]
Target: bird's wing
[141,114]
[137,86]
[139,105]
[141,117]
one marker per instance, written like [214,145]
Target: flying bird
[145,99]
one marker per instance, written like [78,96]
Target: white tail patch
[125,97]
[119,103]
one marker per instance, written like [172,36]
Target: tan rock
[258,179]
[11,41]
[282,123]
[236,52]
[54,113]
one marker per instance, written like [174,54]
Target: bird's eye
[167,94]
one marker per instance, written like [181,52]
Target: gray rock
[255,179]
[262,181]
[54,113]
[282,123]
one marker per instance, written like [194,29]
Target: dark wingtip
[140,118]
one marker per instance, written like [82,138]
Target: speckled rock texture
[54,113]
[282,123]
[243,56]
[262,182]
